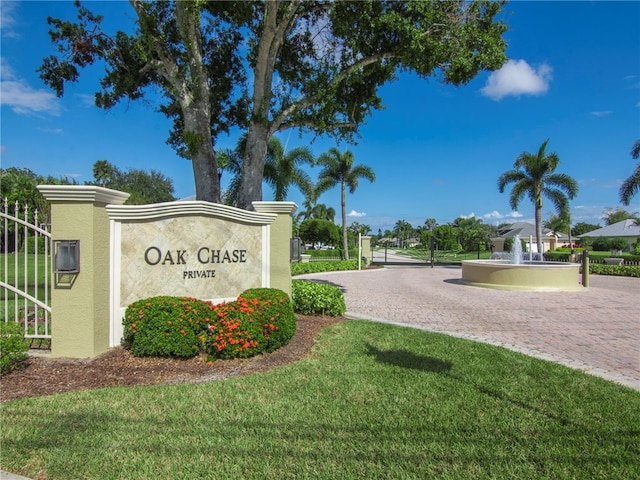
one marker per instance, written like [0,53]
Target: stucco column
[280,244]
[80,302]
[366,248]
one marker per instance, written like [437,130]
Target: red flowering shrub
[277,315]
[260,320]
[166,326]
[234,332]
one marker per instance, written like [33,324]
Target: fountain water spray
[517,256]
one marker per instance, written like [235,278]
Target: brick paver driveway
[596,330]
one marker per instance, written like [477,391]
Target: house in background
[527,232]
[627,229]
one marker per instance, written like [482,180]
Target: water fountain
[513,272]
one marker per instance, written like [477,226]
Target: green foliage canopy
[315,66]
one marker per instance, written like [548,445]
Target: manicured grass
[372,401]
[441,256]
[16,276]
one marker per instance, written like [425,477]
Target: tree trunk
[203,158]
[345,237]
[260,127]
[538,216]
[253,166]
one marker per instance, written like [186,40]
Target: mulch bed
[42,375]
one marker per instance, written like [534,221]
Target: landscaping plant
[13,346]
[260,320]
[166,326]
[311,298]
[317,267]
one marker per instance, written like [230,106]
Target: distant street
[392,256]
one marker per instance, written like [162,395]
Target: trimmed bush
[311,298]
[166,326]
[317,267]
[234,331]
[13,346]
[260,320]
[277,315]
[619,270]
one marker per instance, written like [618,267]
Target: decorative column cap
[83,194]
[275,207]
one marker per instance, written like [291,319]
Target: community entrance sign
[126,253]
[194,249]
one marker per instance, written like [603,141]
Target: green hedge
[557,256]
[311,298]
[166,326]
[619,270]
[318,267]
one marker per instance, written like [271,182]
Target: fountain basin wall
[527,276]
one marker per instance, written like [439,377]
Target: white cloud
[495,215]
[57,131]
[87,100]
[517,77]
[471,215]
[600,114]
[23,99]
[353,213]
[7,18]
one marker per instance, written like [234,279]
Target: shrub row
[317,267]
[619,270]
[13,346]
[260,320]
[557,256]
[311,298]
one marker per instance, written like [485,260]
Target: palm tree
[534,176]
[230,161]
[282,169]
[322,212]
[631,185]
[338,169]
[558,223]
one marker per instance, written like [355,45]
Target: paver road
[596,330]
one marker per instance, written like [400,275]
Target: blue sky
[573,77]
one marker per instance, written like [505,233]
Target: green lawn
[372,401]
[35,286]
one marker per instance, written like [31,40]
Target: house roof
[525,229]
[625,228]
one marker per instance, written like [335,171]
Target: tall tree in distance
[560,223]
[282,169]
[144,187]
[534,175]
[631,185]
[322,212]
[338,169]
[612,216]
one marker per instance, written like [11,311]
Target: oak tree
[314,65]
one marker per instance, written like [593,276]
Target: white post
[359,250]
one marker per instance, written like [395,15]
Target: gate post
[280,244]
[80,301]
[366,248]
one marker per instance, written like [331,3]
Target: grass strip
[372,401]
